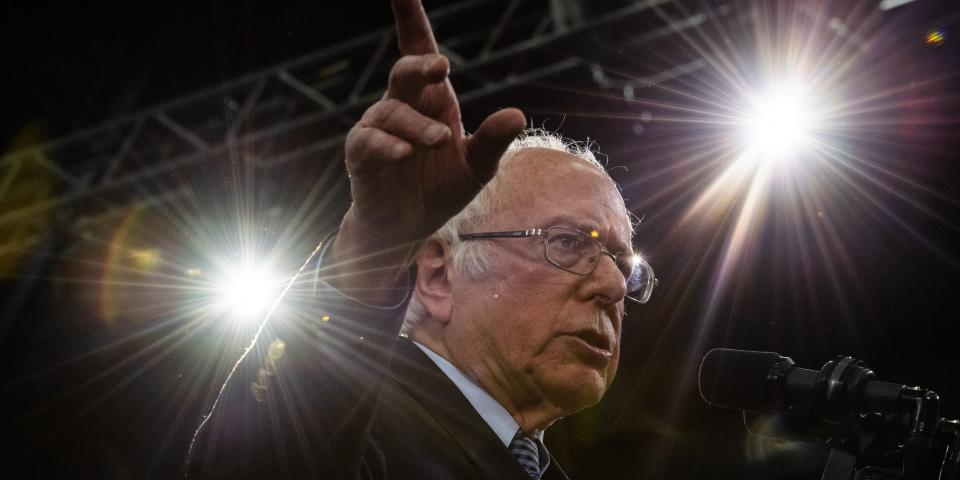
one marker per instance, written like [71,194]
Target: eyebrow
[569,221]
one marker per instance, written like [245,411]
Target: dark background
[107,370]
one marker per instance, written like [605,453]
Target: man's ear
[433,282]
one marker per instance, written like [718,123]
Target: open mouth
[595,339]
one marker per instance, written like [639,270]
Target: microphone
[766,381]
[839,403]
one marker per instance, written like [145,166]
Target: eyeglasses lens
[577,252]
[572,250]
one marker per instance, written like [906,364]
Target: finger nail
[434,133]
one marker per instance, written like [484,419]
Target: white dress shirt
[497,417]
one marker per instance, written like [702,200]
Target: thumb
[487,144]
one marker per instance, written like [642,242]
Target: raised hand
[411,166]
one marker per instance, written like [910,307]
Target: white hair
[471,258]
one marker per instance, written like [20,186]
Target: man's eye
[568,241]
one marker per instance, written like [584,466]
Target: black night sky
[858,257]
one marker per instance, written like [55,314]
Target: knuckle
[389,110]
[380,140]
[406,64]
[366,145]
[396,71]
[390,105]
[370,113]
[357,138]
[353,135]
[380,111]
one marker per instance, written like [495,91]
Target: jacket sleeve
[302,402]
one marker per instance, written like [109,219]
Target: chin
[574,389]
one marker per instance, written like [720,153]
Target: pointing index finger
[414,35]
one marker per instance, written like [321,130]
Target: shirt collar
[497,417]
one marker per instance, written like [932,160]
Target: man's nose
[607,279]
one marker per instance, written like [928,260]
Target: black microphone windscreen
[735,378]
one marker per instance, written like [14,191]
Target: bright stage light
[777,121]
[247,291]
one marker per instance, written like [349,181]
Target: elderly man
[523,260]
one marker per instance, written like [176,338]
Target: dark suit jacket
[348,399]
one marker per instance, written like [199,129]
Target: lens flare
[247,291]
[935,37]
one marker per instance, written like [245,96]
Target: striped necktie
[531,454]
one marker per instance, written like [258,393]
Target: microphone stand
[875,430]
[870,446]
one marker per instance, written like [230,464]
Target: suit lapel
[439,396]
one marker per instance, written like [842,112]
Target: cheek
[521,310]
[525,332]
[563,377]
[562,360]
[522,332]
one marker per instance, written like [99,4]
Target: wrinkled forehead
[541,183]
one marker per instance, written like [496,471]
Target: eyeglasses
[579,253]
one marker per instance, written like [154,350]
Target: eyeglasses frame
[542,232]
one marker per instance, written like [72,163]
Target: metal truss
[305,106]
